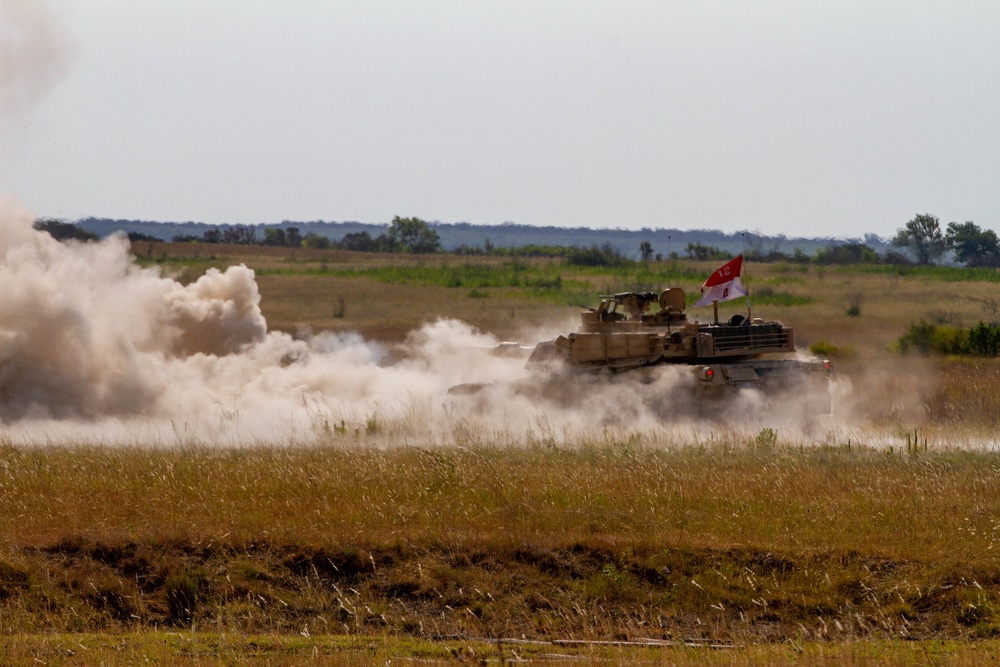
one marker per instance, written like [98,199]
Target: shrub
[340,308]
[765,440]
[929,338]
[824,349]
[984,340]
[544,283]
[595,255]
[854,301]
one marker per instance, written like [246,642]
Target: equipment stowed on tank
[622,336]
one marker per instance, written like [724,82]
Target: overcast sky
[804,118]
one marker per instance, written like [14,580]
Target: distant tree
[293,237]
[754,244]
[702,252]
[213,235]
[274,236]
[139,237]
[413,235]
[63,231]
[756,253]
[532,251]
[847,253]
[646,250]
[973,246]
[240,234]
[359,241]
[314,240]
[922,237]
[894,258]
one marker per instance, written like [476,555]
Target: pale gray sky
[816,118]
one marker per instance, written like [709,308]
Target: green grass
[212,648]
[768,296]
[953,274]
[543,274]
[513,278]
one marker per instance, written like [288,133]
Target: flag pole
[747,286]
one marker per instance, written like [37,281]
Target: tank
[626,337]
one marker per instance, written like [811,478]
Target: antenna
[746,286]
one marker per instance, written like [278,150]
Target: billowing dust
[96,349]
[35,52]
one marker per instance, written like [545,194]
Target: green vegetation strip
[210,648]
[548,274]
[951,274]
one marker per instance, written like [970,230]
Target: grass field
[871,543]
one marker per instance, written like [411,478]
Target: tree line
[403,235]
[927,242]
[921,241]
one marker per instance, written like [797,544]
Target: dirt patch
[578,590]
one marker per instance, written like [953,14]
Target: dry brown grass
[736,542]
[901,505]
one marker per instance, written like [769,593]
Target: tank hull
[712,379]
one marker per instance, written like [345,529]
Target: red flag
[724,284]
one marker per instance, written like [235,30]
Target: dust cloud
[95,349]
[35,52]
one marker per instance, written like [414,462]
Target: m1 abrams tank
[622,336]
